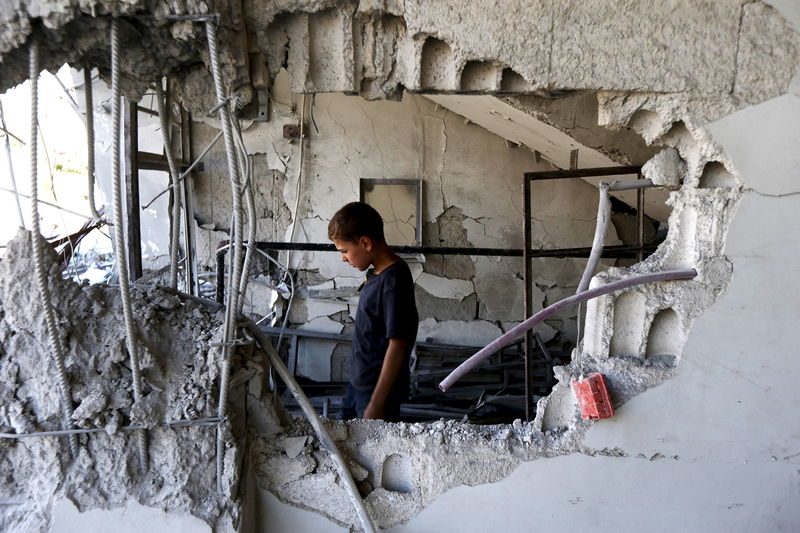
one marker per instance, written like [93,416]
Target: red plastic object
[593,398]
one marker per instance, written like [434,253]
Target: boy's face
[357,254]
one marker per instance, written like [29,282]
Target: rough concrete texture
[152,46]
[180,375]
[733,49]
[665,168]
[400,468]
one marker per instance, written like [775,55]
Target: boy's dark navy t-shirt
[386,310]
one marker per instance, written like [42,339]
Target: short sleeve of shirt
[399,309]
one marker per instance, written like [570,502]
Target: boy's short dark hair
[356,220]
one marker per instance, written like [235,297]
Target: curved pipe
[600,230]
[519,330]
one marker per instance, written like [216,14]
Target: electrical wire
[38,254]
[185,172]
[119,237]
[296,214]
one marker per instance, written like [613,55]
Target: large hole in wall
[470,198]
[467,300]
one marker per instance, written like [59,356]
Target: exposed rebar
[38,254]
[236,238]
[248,189]
[87,88]
[119,237]
[601,228]
[209,421]
[186,172]
[175,227]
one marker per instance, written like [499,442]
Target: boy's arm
[392,363]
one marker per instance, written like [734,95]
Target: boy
[386,320]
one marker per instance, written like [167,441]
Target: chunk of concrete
[666,168]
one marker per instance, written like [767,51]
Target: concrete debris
[665,168]
[180,371]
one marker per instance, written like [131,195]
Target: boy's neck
[383,258]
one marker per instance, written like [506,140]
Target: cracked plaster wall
[471,182]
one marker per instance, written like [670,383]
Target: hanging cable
[87,88]
[175,227]
[119,237]
[236,238]
[38,254]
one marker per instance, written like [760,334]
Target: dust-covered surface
[180,381]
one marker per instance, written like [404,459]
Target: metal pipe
[519,330]
[119,236]
[601,228]
[311,414]
[38,253]
[527,281]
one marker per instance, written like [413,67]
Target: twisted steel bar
[90,163]
[119,237]
[236,238]
[210,421]
[38,253]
